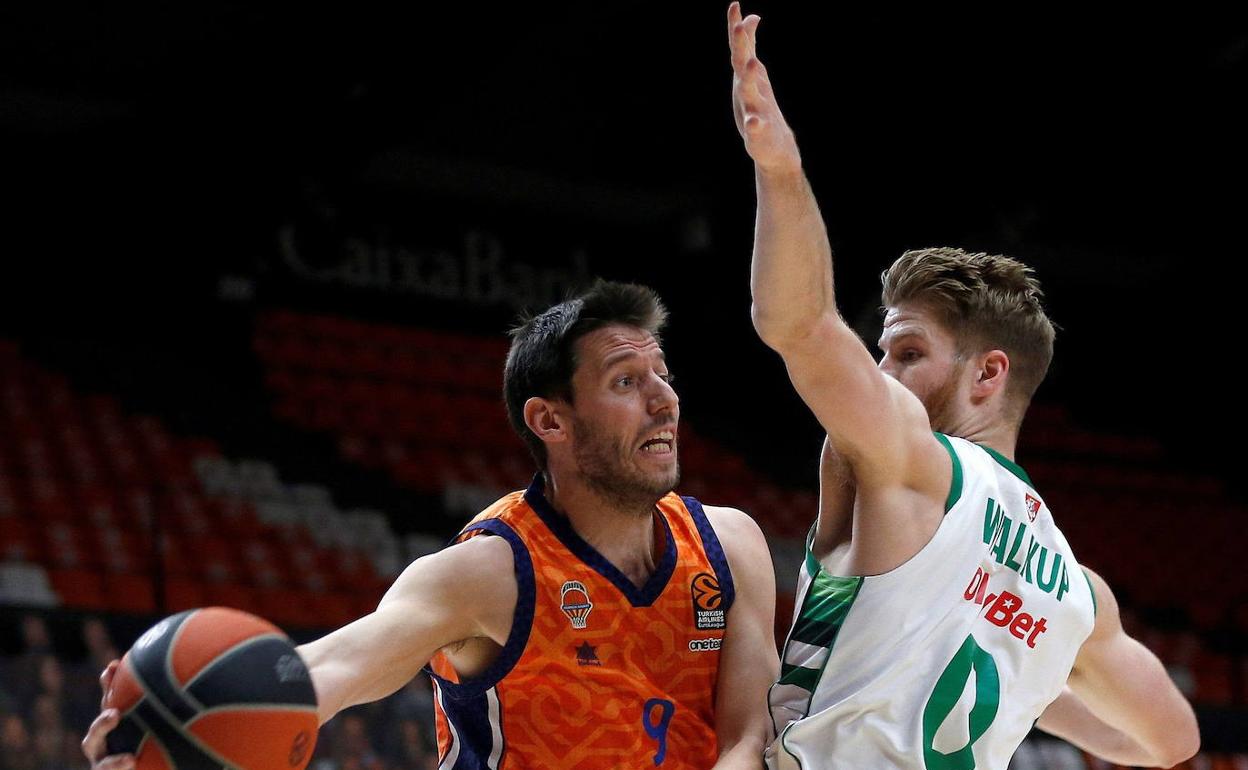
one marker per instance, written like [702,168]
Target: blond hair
[987,301]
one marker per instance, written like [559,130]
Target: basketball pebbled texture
[213,688]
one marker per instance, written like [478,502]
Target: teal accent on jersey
[1008,464]
[805,678]
[824,609]
[945,661]
[955,484]
[825,604]
[1088,578]
[970,657]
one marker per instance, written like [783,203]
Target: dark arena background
[258,265]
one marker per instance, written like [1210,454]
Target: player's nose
[663,396]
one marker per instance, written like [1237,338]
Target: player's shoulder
[737,531]
[477,562]
[732,520]
[484,557]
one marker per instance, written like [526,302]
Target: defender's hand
[768,138]
[93,745]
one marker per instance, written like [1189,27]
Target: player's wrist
[781,172]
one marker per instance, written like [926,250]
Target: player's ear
[992,373]
[545,420]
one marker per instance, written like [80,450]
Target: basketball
[212,688]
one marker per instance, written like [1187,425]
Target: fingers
[106,682]
[93,745]
[115,762]
[742,34]
[752,89]
[750,25]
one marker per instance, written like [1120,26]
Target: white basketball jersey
[945,662]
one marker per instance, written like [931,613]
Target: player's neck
[624,534]
[987,425]
[1000,437]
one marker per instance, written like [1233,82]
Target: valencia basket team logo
[575,603]
[708,600]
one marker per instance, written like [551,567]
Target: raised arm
[1120,704]
[748,663]
[879,427]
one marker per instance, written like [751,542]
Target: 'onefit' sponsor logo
[705,645]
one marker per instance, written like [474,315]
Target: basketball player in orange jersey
[596,619]
[926,568]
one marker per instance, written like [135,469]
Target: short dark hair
[984,300]
[542,358]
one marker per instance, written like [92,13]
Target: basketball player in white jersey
[940,612]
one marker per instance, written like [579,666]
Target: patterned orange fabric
[609,674]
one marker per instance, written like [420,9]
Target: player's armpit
[467,590]
[1126,687]
[748,663]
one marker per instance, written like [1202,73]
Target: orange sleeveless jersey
[596,672]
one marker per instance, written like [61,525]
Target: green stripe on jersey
[955,484]
[1092,590]
[1008,464]
[824,607]
[805,678]
[823,611]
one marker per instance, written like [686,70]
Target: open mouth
[660,443]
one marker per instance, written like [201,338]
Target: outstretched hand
[768,138]
[93,745]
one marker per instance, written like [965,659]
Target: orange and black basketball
[214,688]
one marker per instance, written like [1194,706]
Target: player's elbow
[780,328]
[1181,748]
[1179,745]
[772,328]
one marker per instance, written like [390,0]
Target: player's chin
[662,481]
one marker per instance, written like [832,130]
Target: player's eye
[909,356]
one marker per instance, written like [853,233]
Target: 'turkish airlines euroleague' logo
[708,600]
[575,603]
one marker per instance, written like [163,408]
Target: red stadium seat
[20,540]
[123,551]
[286,606]
[79,589]
[130,593]
[233,595]
[332,610]
[184,594]
[69,546]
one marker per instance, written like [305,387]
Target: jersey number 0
[949,688]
